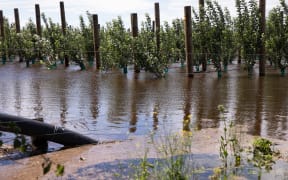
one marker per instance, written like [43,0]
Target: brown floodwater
[112,105]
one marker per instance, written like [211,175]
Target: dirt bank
[99,161]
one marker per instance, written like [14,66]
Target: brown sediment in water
[205,141]
[199,98]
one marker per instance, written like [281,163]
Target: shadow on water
[127,168]
[198,166]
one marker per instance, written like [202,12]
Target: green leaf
[23,148]
[17,143]
[59,170]
[46,166]
[225,153]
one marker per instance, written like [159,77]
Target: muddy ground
[104,161]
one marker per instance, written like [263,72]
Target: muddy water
[110,105]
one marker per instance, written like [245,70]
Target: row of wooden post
[134,27]
[188,37]
[2,25]
[262,60]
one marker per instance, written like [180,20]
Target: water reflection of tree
[118,99]
[275,106]
[155,116]
[211,93]
[259,107]
[246,100]
[133,116]
[18,97]
[63,100]
[187,105]
[270,104]
[133,120]
[94,93]
[37,99]
[4,94]
[138,98]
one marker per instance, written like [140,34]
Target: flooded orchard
[110,105]
[115,106]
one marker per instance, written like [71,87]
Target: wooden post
[262,8]
[2,35]
[63,19]
[17,26]
[203,60]
[96,38]
[188,40]
[157,23]
[39,32]
[134,24]
[38,19]
[134,27]
[2,25]
[17,20]
[63,23]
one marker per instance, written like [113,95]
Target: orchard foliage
[213,35]
[116,45]
[216,36]
[277,35]
[247,30]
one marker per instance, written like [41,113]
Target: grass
[175,157]
[172,162]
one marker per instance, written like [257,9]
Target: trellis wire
[131,52]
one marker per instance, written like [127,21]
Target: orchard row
[216,37]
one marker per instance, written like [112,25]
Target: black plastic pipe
[34,128]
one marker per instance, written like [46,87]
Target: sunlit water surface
[112,105]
